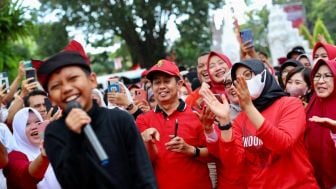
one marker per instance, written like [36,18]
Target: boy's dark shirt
[76,164]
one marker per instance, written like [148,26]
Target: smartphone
[48,105]
[246,35]
[113,86]
[41,128]
[140,95]
[4,81]
[27,64]
[31,72]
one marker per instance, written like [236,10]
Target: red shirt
[177,170]
[17,173]
[272,157]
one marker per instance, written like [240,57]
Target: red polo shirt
[177,170]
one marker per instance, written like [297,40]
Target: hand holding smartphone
[48,105]
[4,82]
[31,73]
[246,36]
[113,86]
[140,95]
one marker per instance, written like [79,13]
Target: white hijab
[97,92]
[31,151]
[7,139]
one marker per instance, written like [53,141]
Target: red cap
[164,66]
[76,46]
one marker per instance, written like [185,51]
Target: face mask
[297,92]
[256,84]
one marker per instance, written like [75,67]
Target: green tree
[13,26]
[195,35]
[142,24]
[321,29]
[50,38]
[321,9]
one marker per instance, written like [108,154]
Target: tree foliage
[195,35]
[13,26]
[50,38]
[142,24]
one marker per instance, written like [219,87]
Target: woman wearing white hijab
[7,144]
[28,165]
[98,96]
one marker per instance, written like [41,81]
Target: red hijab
[320,146]
[217,88]
[323,106]
[331,49]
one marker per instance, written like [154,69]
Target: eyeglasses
[227,84]
[325,77]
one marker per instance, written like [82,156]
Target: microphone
[91,136]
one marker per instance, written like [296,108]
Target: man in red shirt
[194,99]
[173,134]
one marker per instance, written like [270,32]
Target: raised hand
[221,110]
[21,70]
[28,86]
[243,93]
[56,115]
[143,105]
[2,91]
[207,117]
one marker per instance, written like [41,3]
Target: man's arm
[15,84]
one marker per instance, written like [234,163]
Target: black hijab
[271,91]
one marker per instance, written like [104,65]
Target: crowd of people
[225,125]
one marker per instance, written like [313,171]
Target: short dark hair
[33,93]
[263,53]
[305,72]
[203,53]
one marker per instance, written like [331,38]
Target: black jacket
[76,164]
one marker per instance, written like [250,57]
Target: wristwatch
[224,127]
[130,107]
[197,152]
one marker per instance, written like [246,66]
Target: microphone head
[72,104]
